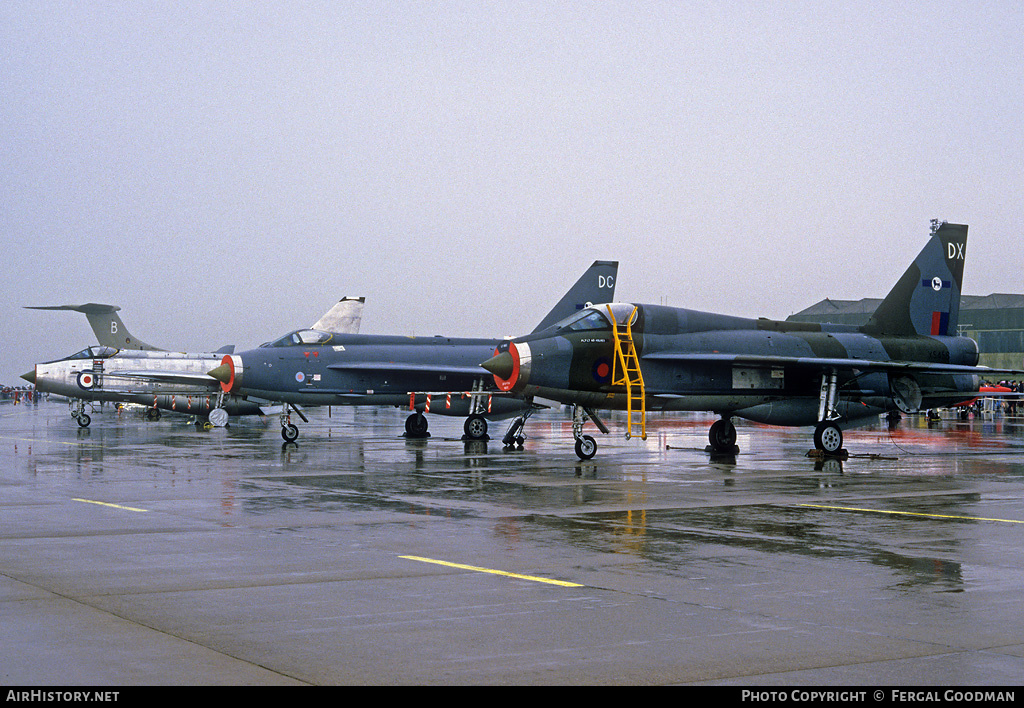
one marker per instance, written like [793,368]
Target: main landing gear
[828,437]
[722,437]
[475,428]
[416,426]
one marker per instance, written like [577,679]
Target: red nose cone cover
[230,383]
[510,382]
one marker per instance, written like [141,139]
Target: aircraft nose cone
[30,377]
[501,365]
[222,373]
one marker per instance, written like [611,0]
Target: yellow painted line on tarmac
[549,581]
[113,506]
[48,442]
[912,513]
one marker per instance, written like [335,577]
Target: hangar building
[995,322]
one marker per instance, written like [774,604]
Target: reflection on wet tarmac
[874,545]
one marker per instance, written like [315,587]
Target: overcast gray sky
[226,171]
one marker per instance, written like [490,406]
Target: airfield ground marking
[115,506]
[44,440]
[478,569]
[912,513]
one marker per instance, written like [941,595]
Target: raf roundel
[86,380]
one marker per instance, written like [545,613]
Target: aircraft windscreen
[94,353]
[302,337]
[586,320]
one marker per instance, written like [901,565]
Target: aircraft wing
[410,368]
[822,363]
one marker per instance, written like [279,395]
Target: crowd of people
[18,394]
[1011,403]
[998,397]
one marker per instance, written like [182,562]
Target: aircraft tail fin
[106,325]
[345,317]
[597,285]
[926,300]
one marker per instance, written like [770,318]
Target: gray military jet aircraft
[440,375]
[649,357]
[139,373]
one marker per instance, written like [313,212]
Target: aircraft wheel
[586,447]
[475,427]
[83,420]
[416,426]
[722,436]
[290,432]
[153,414]
[828,437]
[219,417]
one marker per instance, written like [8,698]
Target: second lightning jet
[439,375]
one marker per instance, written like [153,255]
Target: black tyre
[722,436]
[586,447]
[475,427]
[416,426]
[828,438]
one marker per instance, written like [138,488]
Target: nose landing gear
[290,431]
[586,446]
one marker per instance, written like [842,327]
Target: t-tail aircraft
[636,358]
[106,325]
[439,375]
[124,369]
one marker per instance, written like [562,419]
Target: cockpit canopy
[595,317]
[94,353]
[302,337]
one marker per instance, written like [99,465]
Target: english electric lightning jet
[439,375]
[649,357]
[142,374]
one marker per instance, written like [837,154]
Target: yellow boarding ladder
[626,372]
